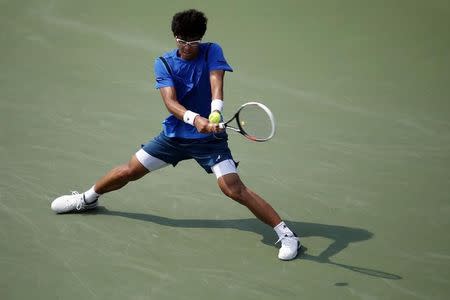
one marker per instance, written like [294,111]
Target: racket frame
[242,130]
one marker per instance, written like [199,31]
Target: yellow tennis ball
[215,117]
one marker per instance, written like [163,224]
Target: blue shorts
[207,151]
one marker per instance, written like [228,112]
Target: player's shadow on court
[340,236]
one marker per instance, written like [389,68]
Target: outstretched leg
[139,165]
[120,176]
[232,186]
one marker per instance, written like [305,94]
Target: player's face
[188,47]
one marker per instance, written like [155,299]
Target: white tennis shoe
[289,247]
[72,203]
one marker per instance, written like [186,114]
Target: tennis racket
[254,120]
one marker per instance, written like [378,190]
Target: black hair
[190,23]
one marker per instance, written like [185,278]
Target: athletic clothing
[152,164]
[180,141]
[191,81]
[207,151]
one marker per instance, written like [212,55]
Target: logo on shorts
[218,157]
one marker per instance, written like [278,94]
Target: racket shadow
[341,236]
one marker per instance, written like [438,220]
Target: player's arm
[216,80]
[169,97]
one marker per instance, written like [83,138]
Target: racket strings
[255,122]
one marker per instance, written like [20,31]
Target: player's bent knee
[232,187]
[233,192]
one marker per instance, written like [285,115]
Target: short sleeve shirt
[191,81]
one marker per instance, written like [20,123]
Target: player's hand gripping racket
[254,121]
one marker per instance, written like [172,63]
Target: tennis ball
[215,117]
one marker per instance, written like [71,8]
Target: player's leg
[139,165]
[120,176]
[232,186]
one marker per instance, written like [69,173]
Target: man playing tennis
[190,80]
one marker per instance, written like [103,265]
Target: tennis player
[190,80]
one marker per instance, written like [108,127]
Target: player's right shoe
[72,203]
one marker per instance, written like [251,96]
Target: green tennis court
[359,166]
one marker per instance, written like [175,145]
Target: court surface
[359,166]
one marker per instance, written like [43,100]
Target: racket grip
[221,125]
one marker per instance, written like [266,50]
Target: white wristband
[217,104]
[189,117]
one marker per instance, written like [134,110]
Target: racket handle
[221,125]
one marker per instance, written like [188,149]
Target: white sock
[282,230]
[90,195]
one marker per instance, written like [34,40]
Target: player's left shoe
[290,246]
[72,203]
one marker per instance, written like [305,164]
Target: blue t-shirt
[191,81]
